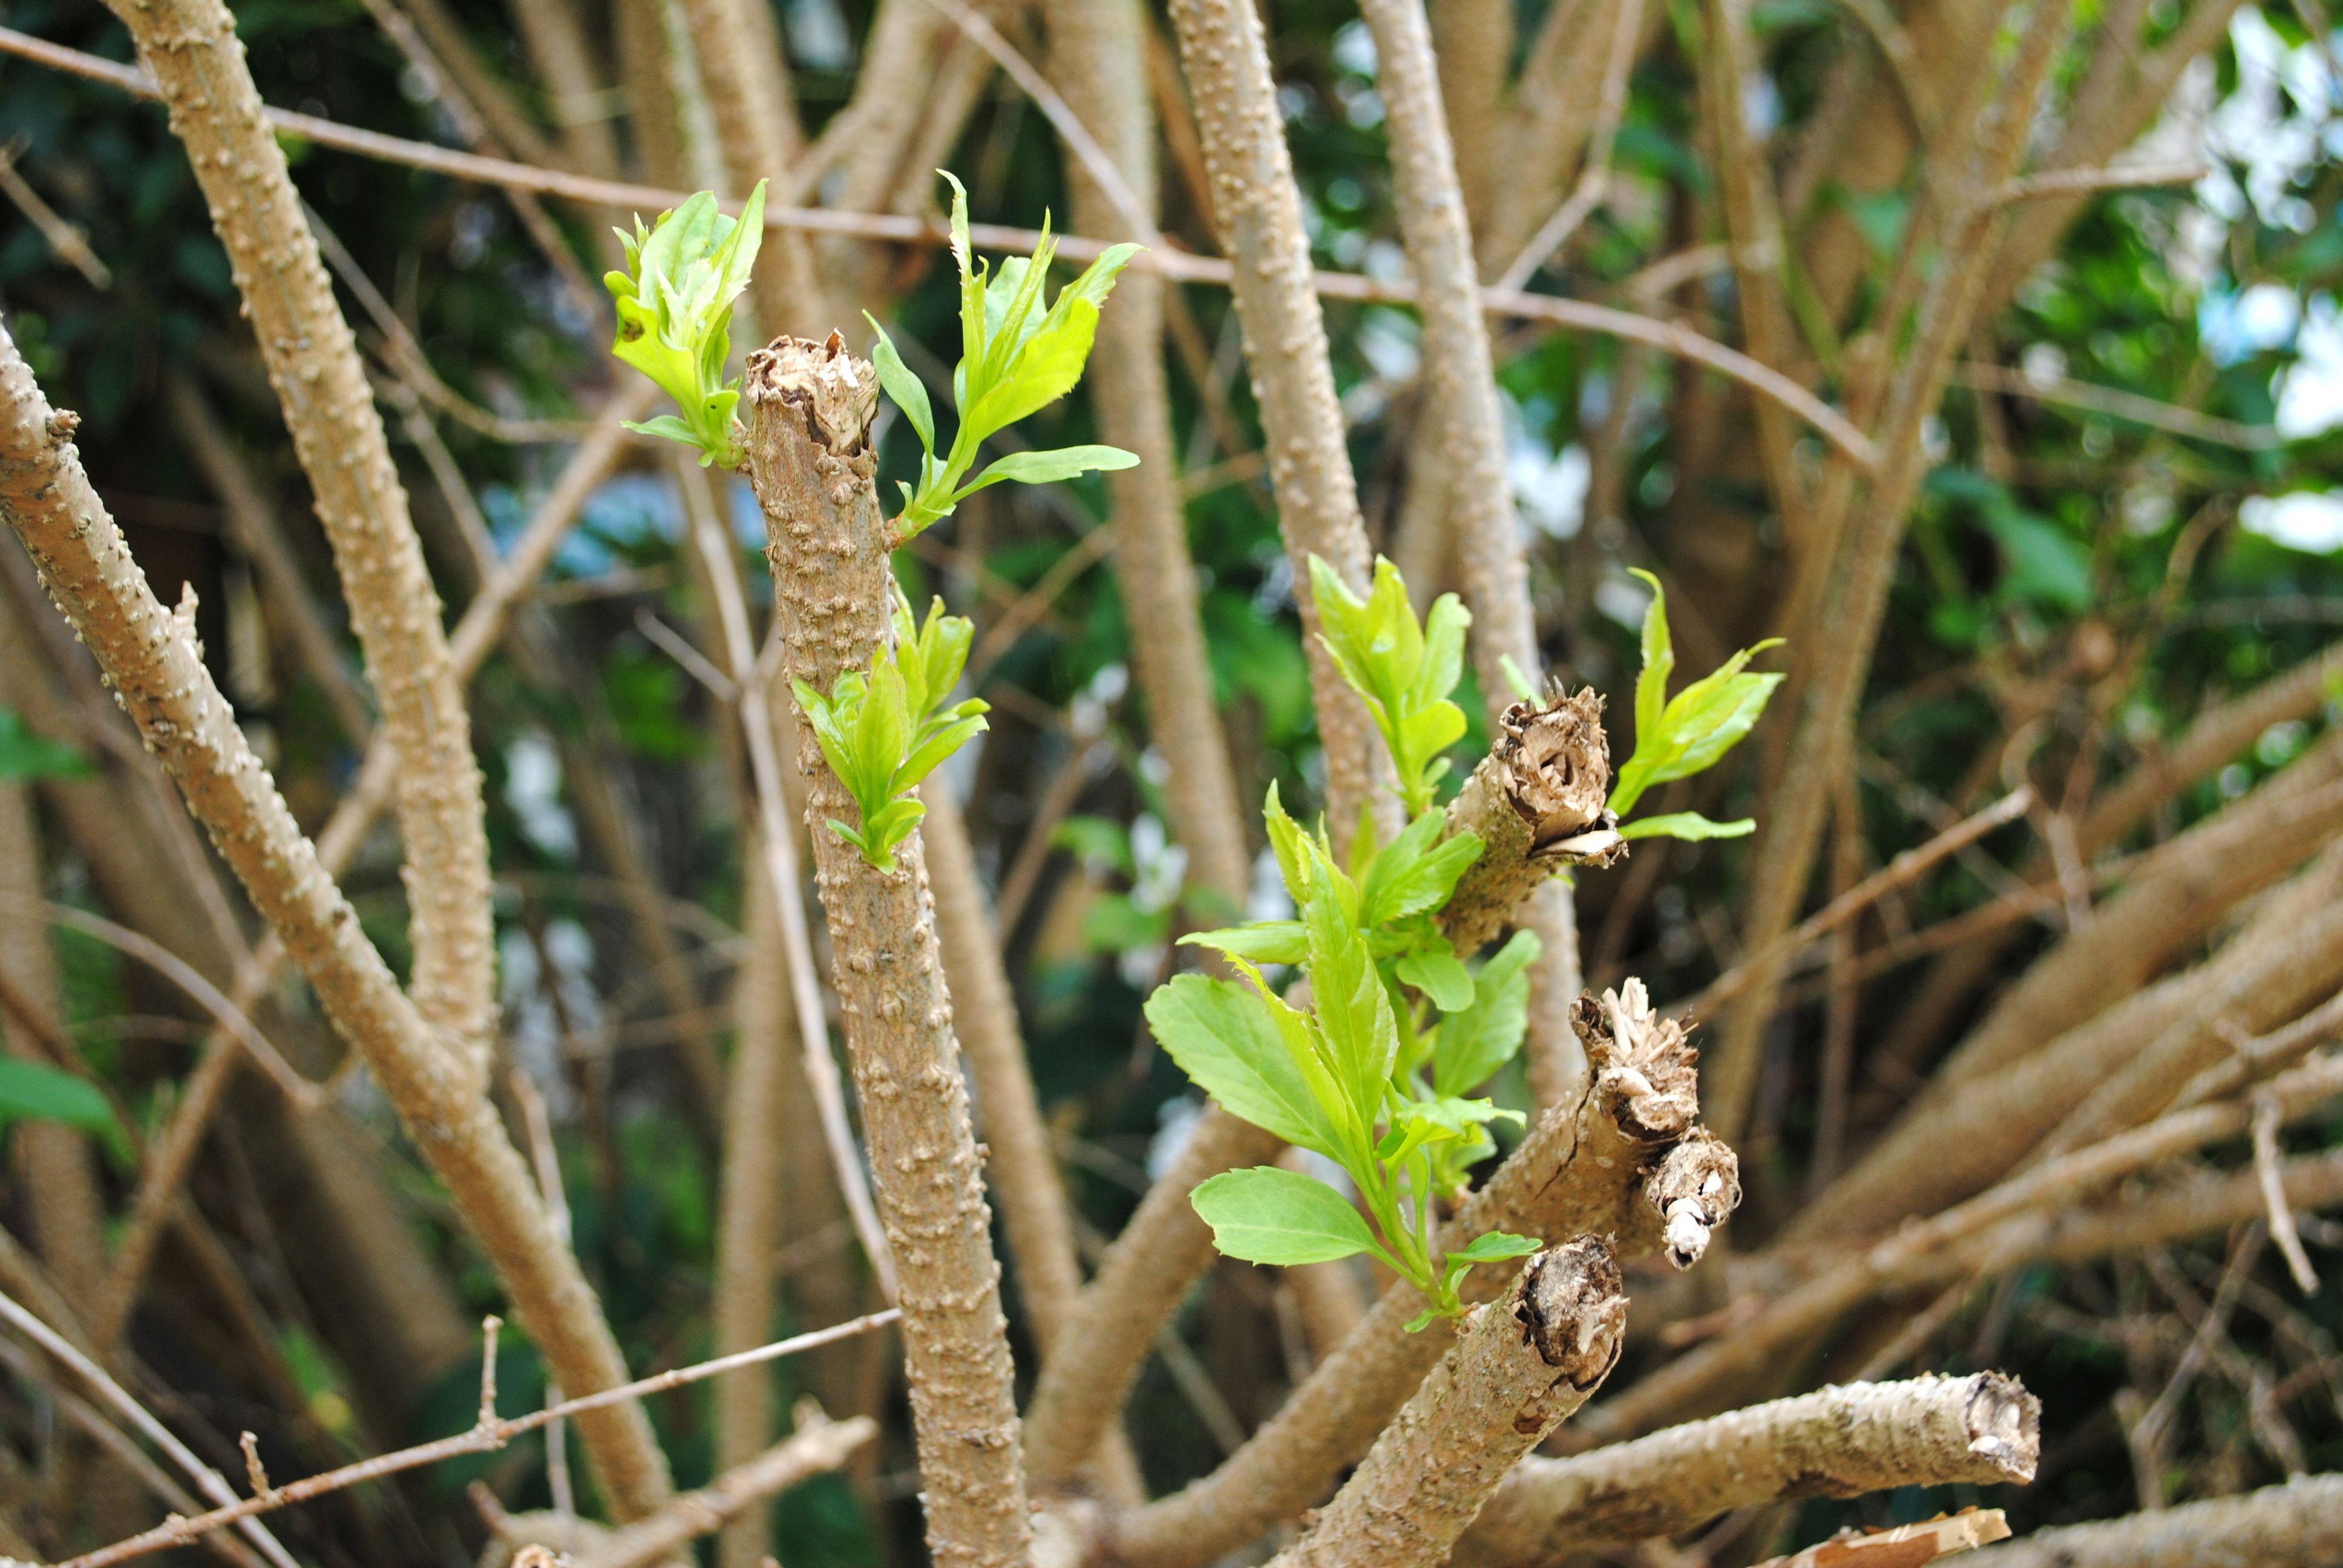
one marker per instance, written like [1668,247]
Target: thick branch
[1834,1442]
[1256,205]
[811,461]
[191,47]
[1622,1161]
[1523,1364]
[1537,802]
[2297,1525]
[150,656]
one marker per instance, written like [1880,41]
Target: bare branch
[2296,1525]
[1834,1442]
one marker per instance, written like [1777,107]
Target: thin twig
[2122,404]
[230,1018]
[2268,1113]
[488,1433]
[209,1481]
[70,244]
[1175,265]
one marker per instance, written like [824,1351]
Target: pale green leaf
[1473,1043]
[908,393]
[1227,1040]
[1688,825]
[1265,1215]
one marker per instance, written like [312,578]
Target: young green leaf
[1265,1215]
[1494,1247]
[32,1092]
[1416,872]
[1020,352]
[1228,1040]
[674,303]
[1403,671]
[1436,972]
[1474,1042]
[1262,942]
[1678,737]
[1688,825]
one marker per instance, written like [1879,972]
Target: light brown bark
[1955,1144]
[748,1218]
[813,466]
[148,653]
[1863,562]
[1098,61]
[1520,1366]
[191,47]
[1258,209]
[554,33]
[1547,120]
[745,1488]
[748,91]
[1536,801]
[252,521]
[1622,1161]
[1460,389]
[2296,1525]
[56,1164]
[1834,1442]
[1473,46]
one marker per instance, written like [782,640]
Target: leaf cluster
[675,314]
[884,733]
[1677,737]
[1404,670]
[1020,352]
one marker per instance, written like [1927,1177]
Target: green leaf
[1659,662]
[1436,974]
[1473,1043]
[1228,1040]
[1688,825]
[1262,942]
[1403,671]
[25,755]
[1493,1247]
[1265,1215]
[1048,468]
[1413,874]
[1696,727]
[908,393]
[33,1092]
[1523,687]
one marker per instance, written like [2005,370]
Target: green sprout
[1678,737]
[675,316]
[1020,352]
[1403,671]
[1374,1077]
[884,733]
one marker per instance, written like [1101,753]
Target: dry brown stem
[817,1445]
[2296,1525]
[1520,1366]
[1536,801]
[150,656]
[813,465]
[1834,1442]
[192,50]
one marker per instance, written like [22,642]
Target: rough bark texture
[1458,381]
[1537,802]
[808,405]
[1622,1161]
[1834,1442]
[749,91]
[1024,1170]
[149,655]
[1141,1279]
[2297,1525]
[1098,61]
[1521,1366]
[1258,210]
[1858,562]
[191,47]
